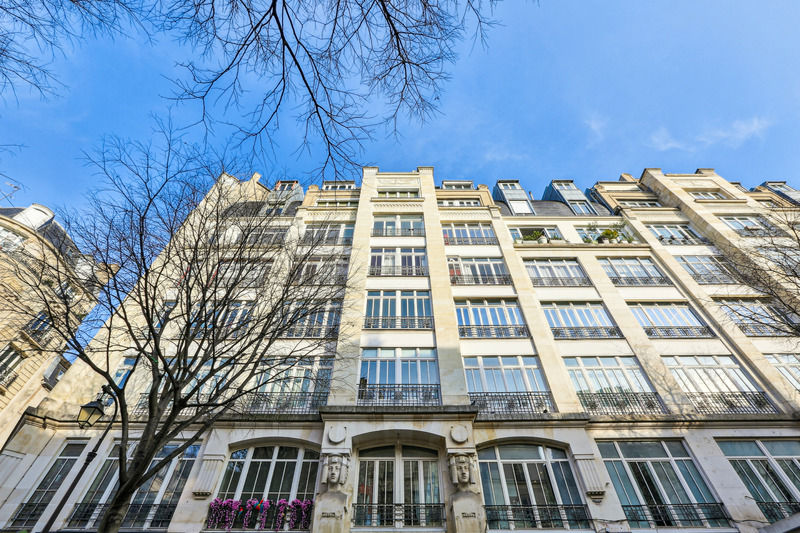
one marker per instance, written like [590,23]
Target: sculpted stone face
[462,469]
[334,469]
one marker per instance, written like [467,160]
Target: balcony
[332,240]
[7,377]
[687,515]
[397,271]
[464,240]
[731,402]
[556,281]
[714,279]
[399,395]
[759,231]
[26,515]
[685,241]
[538,517]
[491,332]
[141,516]
[397,515]
[480,280]
[621,403]
[295,517]
[305,331]
[678,332]
[272,403]
[398,232]
[512,405]
[594,332]
[398,322]
[200,401]
[775,511]
[638,281]
[762,330]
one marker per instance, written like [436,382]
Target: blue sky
[565,89]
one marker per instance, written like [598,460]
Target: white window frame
[607,374]
[787,364]
[504,373]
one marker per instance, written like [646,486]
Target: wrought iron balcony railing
[759,231]
[556,281]
[308,331]
[686,515]
[761,330]
[143,516]
[412,270]
[775,511]
[538,517]
[398,322]
[731,402]
[512,405]
[7,377]
[327,241]
[397,515]
[269,403]
[480,280]
[652,281]
[686,241]
[26,515]
[489,332]
[399,395]
[456,240]
[398,232]
[678,332]
[593,332]
[714,279]
[292,520]
[621,403]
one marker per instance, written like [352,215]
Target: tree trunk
[117,508]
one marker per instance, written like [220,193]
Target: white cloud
[662,140]
[500,153]
[597,128]
[737,133]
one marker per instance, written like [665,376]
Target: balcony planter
[259,514]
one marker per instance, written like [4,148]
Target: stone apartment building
[564,363]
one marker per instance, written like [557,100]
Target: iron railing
[557,281]
[652,281]
[199,401]
[621,403]
[26,515]
[399,395]
[684,515]
[480,280]
[759,231]
[752,329]
[397,515]
[775,511]
[326,241]
[680,332]
[585,332]
[410,270]
[513,405]
[488,332]
[538,517]
[7,377]
[714,279]
[398,322]
[301,523]
[309,331]
[269,403]
[456,240]
[140,515]
[672,241]
[398,232]
[731,402]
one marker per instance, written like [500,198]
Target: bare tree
[767,259]
[216,296]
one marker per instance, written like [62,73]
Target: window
[460,202]
[399,194]
[564,185]
[29,512]
[329,234]
[707,195]
[38,327]
[580,321]
[398,225]
[399,376]
[398,262]
[594,233]
[324,270]
[787,364]
[770,204]
[666,320]
[10,359]
[234,319]
[478,271]
[717,384]
[516,373]
[315,319]
[660,486]
[10,241]
[757,318]
[269,473]
[534,234]
[520,207]
[398,310]
[707,269]
[639,203]
[414,490]
[770,469]
[750,225]
[243,274]
[285,185]
[509,186]
[337,203]
[633,271]
[245,209]
[557,273]
[255,236]
[468,234]
[780,187]
[490,318]
[581,207]
[534,477]
[676,234]
[291,385]
[612,385]
[457,186]
[337,186]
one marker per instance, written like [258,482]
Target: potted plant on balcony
[608,235]
[535,235]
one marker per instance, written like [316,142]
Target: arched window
[530,486]
[398,486]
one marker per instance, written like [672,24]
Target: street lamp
[89,414]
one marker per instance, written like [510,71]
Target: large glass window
[581,207]
[291,386]
[757,318]
[404,193]
[516,373]
[399,376]
[669,320]
[639,203]
[556,272]
[329,233]
[787,364]
[579,320]
[770,469]
[707,195]
[398,310]
[490,318]
[477,270]
[398,225]
[398,262]
[530,487]
[398,486]
[676,234]
[749,225]
[633,271]
[468,234]
[707,269]
[606,374]
[533,234]
[459,202]
[593,233]
[10,359]
[660,486]
[10,241]
[313,320]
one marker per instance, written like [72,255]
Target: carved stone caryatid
[466,514]
[330,507]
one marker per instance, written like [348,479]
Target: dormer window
[707,195]
[581,207]
[509,186]
[564,185]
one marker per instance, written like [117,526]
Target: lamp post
[88,416]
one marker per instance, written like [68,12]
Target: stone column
[331,510]
[465,513]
